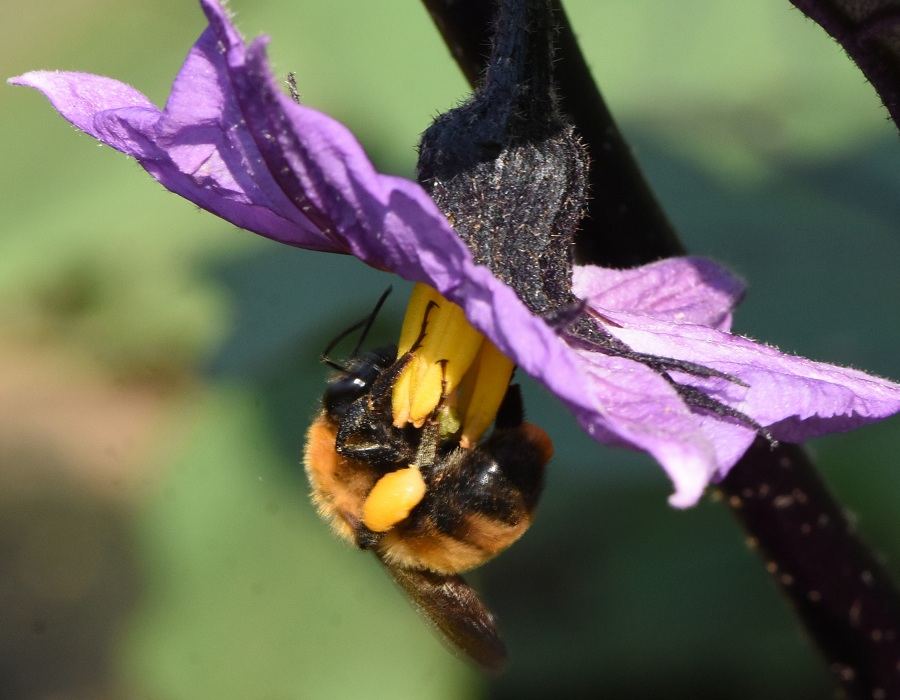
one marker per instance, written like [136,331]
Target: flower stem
[842,593]
[870,34]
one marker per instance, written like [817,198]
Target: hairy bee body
[476,501]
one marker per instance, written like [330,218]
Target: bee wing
[454,608]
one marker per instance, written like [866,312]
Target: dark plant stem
[843,595]
[841,592]
[869,31]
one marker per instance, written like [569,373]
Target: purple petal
[642,411]
[212,145]
[386,221]
[797,398]
[205,162]
[680,290]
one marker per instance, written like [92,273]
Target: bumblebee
[427,507]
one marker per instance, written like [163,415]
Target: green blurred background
[158,369]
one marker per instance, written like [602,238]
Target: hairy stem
[869,31]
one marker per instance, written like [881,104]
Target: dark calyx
[510,174]
[507,169]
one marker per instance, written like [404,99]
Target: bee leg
[370,453]
[363,537]
[366,539]
[511,413]
[370,441]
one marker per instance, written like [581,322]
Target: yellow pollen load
[453,361]
[440,359]
[392,498]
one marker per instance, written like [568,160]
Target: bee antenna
[365,324]
[371,319]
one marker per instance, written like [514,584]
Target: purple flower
[230,141]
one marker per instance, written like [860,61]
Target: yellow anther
[421,298]
[392,498]
[482,391]
[443,346]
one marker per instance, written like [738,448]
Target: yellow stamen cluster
[482,391]
[453,367]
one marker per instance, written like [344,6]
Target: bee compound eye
[356,380]
[341,392]
[392,498]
